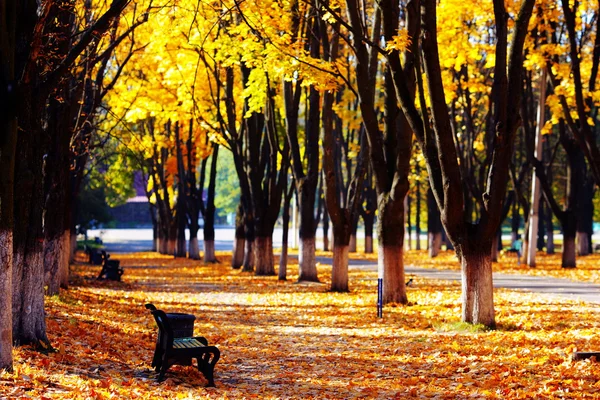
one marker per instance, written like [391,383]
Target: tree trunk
[263,256]
[369,223]
[73,244]
[477,286]
[435,243]
[163,241]
[408,241]
[180,248]
[194,247]
[418,211]
[283,260]
[306,252]
[209,243]
[307,260]
[568,252]
[569,226]
[155,235]
[352,248]
[53,256]
[29,325]
[369,244]
[8,138]
[585,218]
[325,231]
[66,261]
[209,251]
[434,226]
[339,272]
[495,243]
[240,239]
[583,248]
[390,232]
[249,256]
[550,233]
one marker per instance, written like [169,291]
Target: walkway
[122,240]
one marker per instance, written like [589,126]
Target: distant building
[135,213]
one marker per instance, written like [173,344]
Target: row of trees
[324,99]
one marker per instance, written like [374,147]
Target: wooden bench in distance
[178,351]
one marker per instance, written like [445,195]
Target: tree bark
[8,138]
[325,231]
[263,254]
[194,247]
[339,272]
[240,239]
[477,286]
[248,255]
[283,260]
[434,226]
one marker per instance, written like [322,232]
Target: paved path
[554,287]
[133,240]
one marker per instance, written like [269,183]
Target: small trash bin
[182,324]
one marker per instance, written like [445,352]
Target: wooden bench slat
[186,343]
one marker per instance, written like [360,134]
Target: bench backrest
[165,332]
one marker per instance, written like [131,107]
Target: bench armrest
[202,340]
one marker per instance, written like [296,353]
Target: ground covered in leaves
[289,340]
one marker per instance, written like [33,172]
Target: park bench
[94,255]
[172,350]
[111,269]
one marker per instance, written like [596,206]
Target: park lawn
[289,340]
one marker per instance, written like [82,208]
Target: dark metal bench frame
[111,269]
[178,351]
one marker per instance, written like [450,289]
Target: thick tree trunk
[194,247]
[172,240]
[8,138]
[6,257]
[339,272]
[369,244]
[435,243]
[263,256]
[352,247]
[369,223]
[307,260]
[306,252]
[237,259]
[180,246]
[209,251]
[391,270]
[53,256]
[583,248]
[248,256]
[494,251]
[155,236]
[163,242]
[568,251]
[73,244]
[65,262]
[29,325]
[477,287]
[390,232]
